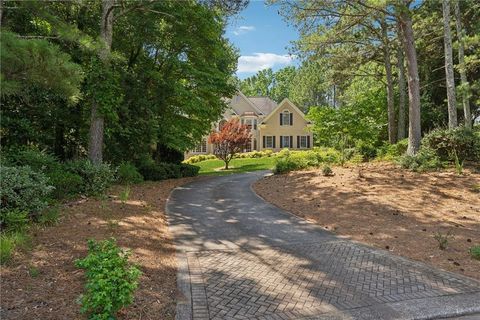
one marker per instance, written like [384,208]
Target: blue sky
[263,38]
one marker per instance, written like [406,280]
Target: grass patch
[10,241]
[211,167]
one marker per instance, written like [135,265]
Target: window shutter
[308,141]
[281,142]
[298,142]
[291,141]
[281,120]
[291,118]
[273,138]
[264,141]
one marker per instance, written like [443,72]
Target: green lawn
[235,166]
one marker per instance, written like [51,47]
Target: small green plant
[458,163]
[49,216]
[33,271]
[10,241]
[14,220]
[125,194]
[443,239]
[111,279]
[112,225]
[475,252]
[127,173]
[476,188]
[327,171]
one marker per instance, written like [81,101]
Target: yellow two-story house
[273,126]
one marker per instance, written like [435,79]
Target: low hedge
[161,171]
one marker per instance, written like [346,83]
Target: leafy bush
[161,171]
[424,160]
[367,150]
[447,142]
[327,171]
[23,189]
[13,220]
[393,151]
[96,178]
[199,158]
[475,252]
[127,173]
[287,160]
[111,280]
[38,160]
[66,183]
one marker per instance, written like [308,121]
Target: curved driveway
[242,258]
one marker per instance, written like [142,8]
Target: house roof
[264,104]
[281,105]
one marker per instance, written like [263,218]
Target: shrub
[284,164]
[447,142]
[23,189]
[111,280]
[424,160]
[127,173]
[96,178]
[38,160]
[443,239]
[367,150]
[13,220]
[199,158]
[66,183]
[475,252]
[393,151]
[327,171]
[161,171]
[287,160]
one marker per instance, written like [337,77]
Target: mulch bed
[43,283]
[389,208]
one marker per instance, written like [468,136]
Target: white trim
[280,105]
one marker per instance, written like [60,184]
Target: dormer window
[286,118]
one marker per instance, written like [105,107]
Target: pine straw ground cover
[389,208]
[43,283]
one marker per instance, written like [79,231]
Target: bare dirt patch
[43,282]
[389,208]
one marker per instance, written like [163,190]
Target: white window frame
[285,115]
[286,145]
[201,147]
[269,144]
[303,140]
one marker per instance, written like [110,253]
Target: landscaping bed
[43,283]
[389,208]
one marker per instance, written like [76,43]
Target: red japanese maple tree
[232,137]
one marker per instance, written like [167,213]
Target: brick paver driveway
[241,258]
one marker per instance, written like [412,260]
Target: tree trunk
[461,62]
[390,98]
[414,126]
[402,97]
[447,40]
[95,146]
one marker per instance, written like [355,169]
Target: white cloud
[243,29]
[260,61]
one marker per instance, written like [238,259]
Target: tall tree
[408,39]
[392,125]
[97,121]
[461,61]
[401,94]
[447,39]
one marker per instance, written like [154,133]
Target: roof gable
[241,104]
[285,102]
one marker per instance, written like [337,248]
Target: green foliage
[66,183]
[49,216]
[287,160]
[125,194]
[111,280]
[450,143]
[367,150]
[127,173]
[96,178]
[392,151]
[475,252]
[27,62]
[425,160]
[38,160]
[10,241]
[23,189]
[199,158]
[327,171]
[161,171]
[256,154]
[13,220]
